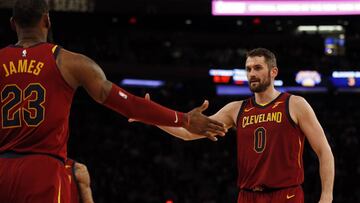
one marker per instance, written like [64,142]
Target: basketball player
[37,84]
[271,130]
[80,191]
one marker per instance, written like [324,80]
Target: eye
[258,67]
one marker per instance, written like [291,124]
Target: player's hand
[82,174]
[200,124]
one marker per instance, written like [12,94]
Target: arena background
[178,42]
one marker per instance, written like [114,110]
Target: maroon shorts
[286,195]
[74,190]
[33,179]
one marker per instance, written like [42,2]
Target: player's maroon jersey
[35,101]
[269,144]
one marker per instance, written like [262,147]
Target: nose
[250,73]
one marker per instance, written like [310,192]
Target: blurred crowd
[199,41]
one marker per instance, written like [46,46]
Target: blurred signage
[72,5]
[285,7]
[346,78]
[308,78]
[61,5]
[234,76]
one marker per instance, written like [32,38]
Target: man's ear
[274,71]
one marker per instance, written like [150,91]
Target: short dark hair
[27,13]
[269,56]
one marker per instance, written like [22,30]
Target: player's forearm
[181,133]
[85,194]
[327,171]
[143,110]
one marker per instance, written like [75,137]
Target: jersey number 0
[26,105]
[259,139]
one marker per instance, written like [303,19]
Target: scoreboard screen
[349,79]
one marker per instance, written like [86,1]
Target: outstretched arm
[226,115]
[79,70]
[305,117]
[184,134]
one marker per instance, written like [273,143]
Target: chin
[255,89]
[258,89]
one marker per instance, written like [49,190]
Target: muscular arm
[305,117]
[226,115]
[79,70]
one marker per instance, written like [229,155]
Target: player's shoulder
[230,108]
[233,108]
[298,105]
[73,58]
[72,54]
[239,104]
[234,104]
[296,99]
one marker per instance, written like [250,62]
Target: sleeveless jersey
[269,145]
[35,101]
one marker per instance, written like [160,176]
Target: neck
[30,36]
[266,96]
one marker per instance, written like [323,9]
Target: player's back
[35,101]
